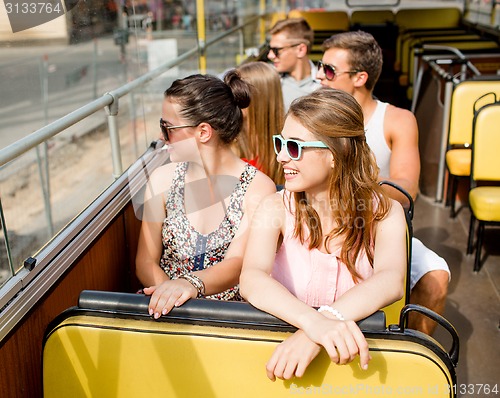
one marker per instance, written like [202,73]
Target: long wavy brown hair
[356,200]
[263,118]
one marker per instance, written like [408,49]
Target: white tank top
[375,138]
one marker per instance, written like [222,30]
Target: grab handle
[453,353]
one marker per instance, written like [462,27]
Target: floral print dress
[185,249]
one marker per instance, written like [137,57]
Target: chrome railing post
[448,90]
[114,137]
[43,159]
[6,239]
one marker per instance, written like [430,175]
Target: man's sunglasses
[330,71]
[294,147]
[165,128]
[276,50]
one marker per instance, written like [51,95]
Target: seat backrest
[207,348]
[462,109]
[428,18]
[277,16]
[486,143]
[465,44]
[324,24]
[392,311]
[369,17]
[408,20]
[334,21]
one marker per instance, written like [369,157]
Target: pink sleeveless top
[314,277]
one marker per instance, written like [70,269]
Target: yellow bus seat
[208,348]
[393,310]
[484,199]
[462,109]
[483,47]
[275,17]
[464,43]
[424,19]
[428,18]
[410,34]
[372,17]
[324,24]
[330,21]
[408,46]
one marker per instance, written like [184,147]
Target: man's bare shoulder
[400,121]
[396,114]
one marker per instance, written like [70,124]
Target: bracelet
[332,311]
[195,281]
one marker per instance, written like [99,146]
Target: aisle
[473,304]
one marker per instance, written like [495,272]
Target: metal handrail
[23,145]
[109,99]
[455,51]
[110,102]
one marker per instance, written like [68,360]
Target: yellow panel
[323,20]
[372,17]
[277,16]
[486,144]
[462,107]
[392,311]
[87,356]
[485,203]
[428,18]
[485,200]
[458,161]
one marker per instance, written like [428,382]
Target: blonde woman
[262,119]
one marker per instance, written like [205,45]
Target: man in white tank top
[352,62]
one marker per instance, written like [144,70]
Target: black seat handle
[480,98]
[411,205]
[455,346]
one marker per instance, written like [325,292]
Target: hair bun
[239,88]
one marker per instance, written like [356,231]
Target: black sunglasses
[330,71]
[165,128]
[276,50]
[294,147]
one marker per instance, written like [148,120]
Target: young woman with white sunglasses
[331,239]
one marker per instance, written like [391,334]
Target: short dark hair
[365,53]
[296,29]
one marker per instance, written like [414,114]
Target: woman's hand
[343,340]
[292,357]
[169,294]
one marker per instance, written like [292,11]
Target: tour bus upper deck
[77,235]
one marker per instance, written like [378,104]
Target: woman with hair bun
[197,208]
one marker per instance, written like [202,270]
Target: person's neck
[220,161]
[367,102]
[301,70]
[320,201]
